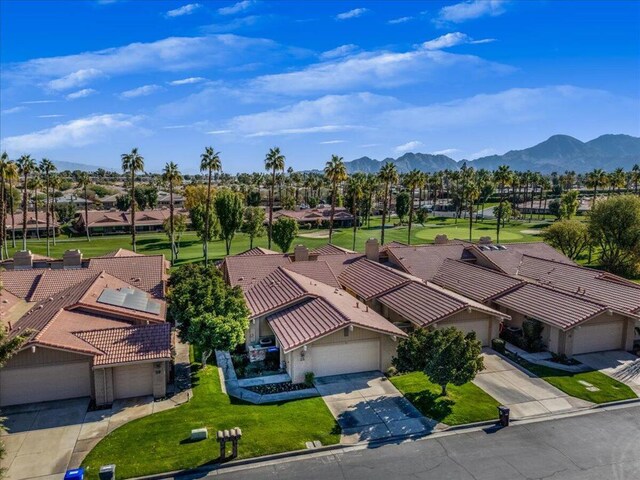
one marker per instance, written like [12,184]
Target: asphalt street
[597,446]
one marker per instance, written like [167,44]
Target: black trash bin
[503,413]
[107,472]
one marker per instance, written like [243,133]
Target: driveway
[526,395]
[46,439]
[368,407]
[620,365]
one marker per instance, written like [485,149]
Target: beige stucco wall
[493,323]
[43,356]
[103,383]
[626,342]
[300,362]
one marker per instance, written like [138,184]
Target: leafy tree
[502,212]
[422,215]
[388,175]
[123,202]
[199,224]
[571,237]
[446,355]
[313,202]
[229,207]
[285,230]
[253,224]
[402,205]
[554,209]
[171,176]
[503,176]
[47,167]
[208,312]
[83,182]
[178,228]
[614,225]
[253,199]
[569,204]
[146,196]
[414,179]
[64,212]
[26,165]
[195,194]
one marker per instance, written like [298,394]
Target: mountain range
[558,153]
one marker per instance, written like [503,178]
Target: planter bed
[281,387]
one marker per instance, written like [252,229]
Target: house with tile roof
[107,222]
[35,226]
[93,328]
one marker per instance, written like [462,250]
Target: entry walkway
[526,395]
[368,407]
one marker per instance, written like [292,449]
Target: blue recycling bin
[74,474]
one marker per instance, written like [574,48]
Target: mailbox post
[224,436]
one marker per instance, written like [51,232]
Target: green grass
[160,442]
[465,404]
[610,390]
[191,248]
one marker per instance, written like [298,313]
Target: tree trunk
[273,182]
[171,234]
[53,213]
[13,216]
[35,210]
[205,356]
[205,237]
[133,208]
[3,227]
[334,192]
[25,204]
[470,219]
[86,211]
[444,390]
[355,221]
[48,213]
[413,190]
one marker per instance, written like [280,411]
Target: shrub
[309,378]
[391,372]
[532,335]
[499,345]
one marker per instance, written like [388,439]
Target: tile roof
[424,260]
[615,292]
[330,249]
[249,270]
[318,270]
[275,290]
[304,322]
[21,283]
[130,344]
[368,279]
[473,281]
[31,220]
[257,251]
[550,306]
[337,263]
[146,272]
[508,260]
[121,252]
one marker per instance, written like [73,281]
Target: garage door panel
[351,357]
[44,383]
[598,338]
[481,327]
[133,380]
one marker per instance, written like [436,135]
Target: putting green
[462,232]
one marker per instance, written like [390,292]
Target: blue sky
[85,81]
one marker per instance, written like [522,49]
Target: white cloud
[379,69]
[447,151]
[75,79]
[469,10]
[236,7]
[451,40]
[355,13]
[341,51]
[483,153]
[11,110]
[184,10]
[187,81]
[76,133]
[85,92]
[53,115]
[406,147]
[219,132]
[142,91]
[332,142]
[305,130]
[395,21]
[38,102]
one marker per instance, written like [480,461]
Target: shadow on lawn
[431,404]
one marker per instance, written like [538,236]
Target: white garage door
[133,380]
[598,338]
[42,384]
[481,327]
[349,357]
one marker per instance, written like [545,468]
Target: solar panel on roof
[131,299]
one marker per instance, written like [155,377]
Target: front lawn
[609,389]
[160,442]
[465,404]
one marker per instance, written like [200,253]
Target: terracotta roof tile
[249,270]
[424,260]
[257,251]
[318,270]
[368,279]
[330,249]
[509,259]
[275,290]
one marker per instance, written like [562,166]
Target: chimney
[300,253]
[72,259]
[441,239]
[485,241]
[23,260]
[372,249]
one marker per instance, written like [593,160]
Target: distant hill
[558,153]
[62,165]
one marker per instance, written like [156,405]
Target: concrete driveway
[368,407]
[526,395]
[617,364]
[46,439]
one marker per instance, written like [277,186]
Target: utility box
[199,434]
[107,472]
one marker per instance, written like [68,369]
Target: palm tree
[4,162]
[209,162]
[413,180]
[472,194]
[36,184]
[336,172]
[355,187]
[388,175]
[26,165]
[618,179]
[47,167]
[131,163]
[172,177]
[502,177]
[596,178]
[83,182]
[11,175]
[54,181]
[273,162]
[635,177]
[370,186]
